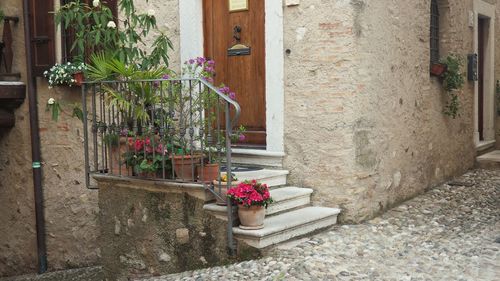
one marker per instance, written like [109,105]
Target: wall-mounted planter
[438,69]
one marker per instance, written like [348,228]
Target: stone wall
[364,124]
[17,219]
[71,211]
[150,229]
[497,74]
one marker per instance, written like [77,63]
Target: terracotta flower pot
[78,78]
[438,69]
[117,163]
[251,217]
[208,172]
[223,191]
[184,165]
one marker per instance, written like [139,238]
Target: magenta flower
[211,63]
[232,95]
[225,90]
[242,137]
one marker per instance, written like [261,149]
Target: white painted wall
[484,9]
[191,29]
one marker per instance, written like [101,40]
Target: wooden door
[480,69]
[243,74]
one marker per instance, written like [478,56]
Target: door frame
[485,10]
[191,45]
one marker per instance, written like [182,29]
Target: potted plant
[118,147]
[66,74]
[210,169]
[221,187]
[438,69]
[185,163]
[145,155]
[252,199]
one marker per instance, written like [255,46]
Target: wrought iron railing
[176,130]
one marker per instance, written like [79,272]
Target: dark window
[68,35]
[434,32]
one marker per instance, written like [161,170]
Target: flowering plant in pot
[252,198]
[145,156]
[68,74]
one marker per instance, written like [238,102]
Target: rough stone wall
[71,210]
[150,230]
[320,86]
[364,124]
[167,19]
[17,219]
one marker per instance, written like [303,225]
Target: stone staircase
[489,160]
[291,215]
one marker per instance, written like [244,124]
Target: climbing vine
[453,79]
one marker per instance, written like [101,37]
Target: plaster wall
[364,123]
[17,220]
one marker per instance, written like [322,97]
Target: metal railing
[177,130]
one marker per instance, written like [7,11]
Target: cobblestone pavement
[450,233]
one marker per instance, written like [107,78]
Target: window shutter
[42,35]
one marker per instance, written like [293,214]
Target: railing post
[230,241]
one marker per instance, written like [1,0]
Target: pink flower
[241,137]
[139,144]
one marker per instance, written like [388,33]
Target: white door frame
[191,44]
[485,10]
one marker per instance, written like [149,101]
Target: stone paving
[450,233]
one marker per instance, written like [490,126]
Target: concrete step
[288,225]
[490,160]
[285,198]
[257,157]
[267,176]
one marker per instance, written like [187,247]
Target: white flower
[95,3]
[151,12]
[51,101]
[111,24]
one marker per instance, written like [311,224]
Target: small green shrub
[453,79]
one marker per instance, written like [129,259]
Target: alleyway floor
[449,233]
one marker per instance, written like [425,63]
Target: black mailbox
[472,67]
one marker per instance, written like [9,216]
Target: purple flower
[232,95]
[165,76]
[211,63]
[242,137]
[124,132]
[156,84]
[224,90]
[209,80]
[200,61]
[209,69]
[191,61]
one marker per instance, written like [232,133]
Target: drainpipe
[35,145]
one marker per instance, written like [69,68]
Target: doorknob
[237,33]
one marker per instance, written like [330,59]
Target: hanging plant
[453,80]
